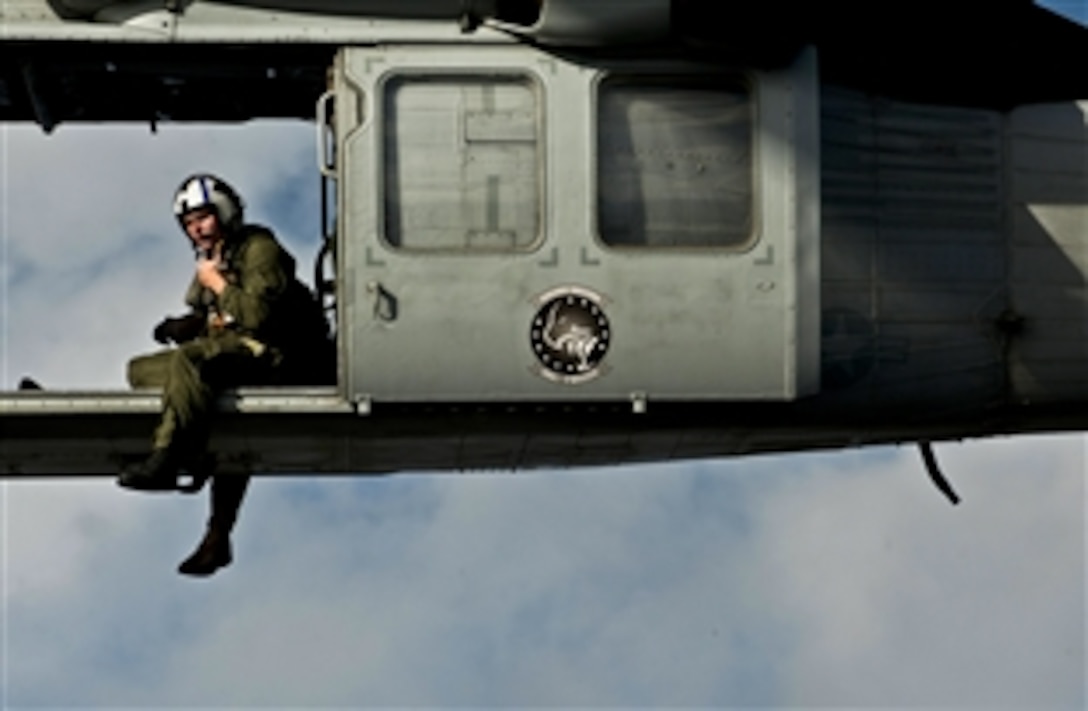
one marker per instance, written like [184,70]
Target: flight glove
[179,329]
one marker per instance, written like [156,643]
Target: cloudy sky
[835,580]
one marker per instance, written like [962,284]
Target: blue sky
[835,579]
[1073,9]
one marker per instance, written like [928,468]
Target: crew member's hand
[179,330]
[209,275]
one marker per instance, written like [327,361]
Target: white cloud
[901,597]
[79,193]
[836,580]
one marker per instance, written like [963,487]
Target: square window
[462,163]
[674,163]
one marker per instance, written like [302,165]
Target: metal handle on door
[385,302]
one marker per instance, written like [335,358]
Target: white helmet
[204,190]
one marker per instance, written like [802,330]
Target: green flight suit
[276,335]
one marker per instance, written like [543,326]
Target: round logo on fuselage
[570,335]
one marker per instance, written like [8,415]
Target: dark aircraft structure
[570,233]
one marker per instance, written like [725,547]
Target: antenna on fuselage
[934,470]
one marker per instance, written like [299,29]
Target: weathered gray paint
[687,323]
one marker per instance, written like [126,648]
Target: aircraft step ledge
[246,400]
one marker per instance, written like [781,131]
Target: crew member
[251,322]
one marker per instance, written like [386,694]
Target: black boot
[214,551]
[159,472]
[212,554]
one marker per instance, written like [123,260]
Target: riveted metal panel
[566,316]
[1049,250]
[914,248]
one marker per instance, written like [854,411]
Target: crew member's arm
[262,279]
[196,296]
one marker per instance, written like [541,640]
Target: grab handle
[326,148]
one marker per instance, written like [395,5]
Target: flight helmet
[205,190]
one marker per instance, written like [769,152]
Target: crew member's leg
[214,550]
[190,375]
[149,371]
[234,366]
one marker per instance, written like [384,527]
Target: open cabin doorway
[92,256]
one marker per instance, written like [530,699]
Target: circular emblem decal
[570,335]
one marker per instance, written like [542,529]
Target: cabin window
[462,162]
[674,163]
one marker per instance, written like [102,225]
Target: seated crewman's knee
[135,374]
[148,371]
